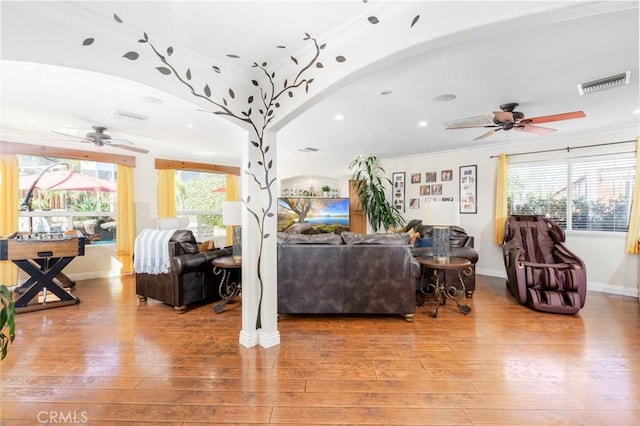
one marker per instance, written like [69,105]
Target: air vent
[309,149]
[604,83]
[130,116]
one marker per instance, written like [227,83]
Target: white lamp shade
[232,213]
[444,213]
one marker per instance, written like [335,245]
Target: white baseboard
[591,286]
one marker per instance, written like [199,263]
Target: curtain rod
[568,148]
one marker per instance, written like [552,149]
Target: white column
[259,260]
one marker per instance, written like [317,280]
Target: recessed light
[339,117]
[448,97]
[189,125]
[636,111]
[423,123]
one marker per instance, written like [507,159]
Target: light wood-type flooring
[114,360]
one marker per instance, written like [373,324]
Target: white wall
[609,269]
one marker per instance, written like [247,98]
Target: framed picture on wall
[414,203]
[430,177]
[416,178]
[469,189]
[446,175]
[398,182]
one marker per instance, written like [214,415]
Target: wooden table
[438,287]
[228,289]
[43,260]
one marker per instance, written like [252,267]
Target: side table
[462,266]
[228,289]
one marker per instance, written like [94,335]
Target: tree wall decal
[257,112]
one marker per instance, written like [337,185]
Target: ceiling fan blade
[489,133]
[69,135]
[119,142]
[469,122]
[130,148]
[554,117]
[536,130]
[471,127]
[504,116]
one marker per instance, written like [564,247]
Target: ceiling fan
[508,119]
[100,138]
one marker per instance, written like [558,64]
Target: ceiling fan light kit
[510,119]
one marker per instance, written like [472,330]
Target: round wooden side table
[438,287]
[228,289]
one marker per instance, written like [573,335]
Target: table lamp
[441,215]
[232,216]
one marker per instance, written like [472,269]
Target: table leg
[228,289]
[41,278]
[442,293]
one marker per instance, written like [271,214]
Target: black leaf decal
[246,114]
[233,56]
[273,74]
[281,47]
[306,88]
[323,45]
[319,65]
[310,81]
[261,111]
[250,100]
[277,104]
[291,94]
[233,95]
[306,36]
[132,56]
[207,90]
[249,112]
[248,167]
[264,64]
[88,41]
[142,40]
[188,74]
[254,82]
[224,101]
[270,215]
[266,149]
[248,199]
[260,163]
[254,143]
[270,164]
[415,20]
[266,236]
[373,20]
[164,70]
[216,68]
[295,61]
[285,83]
[146,36]
[340,58]
[169,51]
[117,18]
[269,113]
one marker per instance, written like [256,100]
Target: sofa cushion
[352,238]
[186,241]
[285,238]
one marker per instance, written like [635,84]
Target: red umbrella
[66,181]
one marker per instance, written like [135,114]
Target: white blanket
[151,255]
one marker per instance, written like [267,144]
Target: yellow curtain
[9,217]
[232,195]
[634,224]
[126,219]
[166,193]
[502,182]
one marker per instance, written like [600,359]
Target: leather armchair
[541,272]
[190,278]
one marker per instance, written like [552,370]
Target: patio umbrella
[66,181]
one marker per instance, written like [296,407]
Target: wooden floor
[114,360]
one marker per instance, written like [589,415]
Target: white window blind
[589,194]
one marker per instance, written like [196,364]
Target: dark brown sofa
[190,278]
[460,245]
[348,274]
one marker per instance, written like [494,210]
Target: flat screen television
[323,214]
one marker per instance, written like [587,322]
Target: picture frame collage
[432,187]
[398,182]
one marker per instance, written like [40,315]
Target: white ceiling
[486,53]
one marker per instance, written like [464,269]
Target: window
[199,196]
[58,195]
[587,194]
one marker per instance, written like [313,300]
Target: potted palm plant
[7,320]
[370,181]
